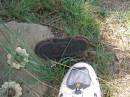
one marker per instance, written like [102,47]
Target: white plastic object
[80,81]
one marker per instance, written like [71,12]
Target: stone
[31,34]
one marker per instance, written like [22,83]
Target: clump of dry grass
[115,32]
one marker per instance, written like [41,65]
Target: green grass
[20,10]
[77,21]
[27,10]
[78,18]
[102,62]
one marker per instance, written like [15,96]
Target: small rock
[29,32]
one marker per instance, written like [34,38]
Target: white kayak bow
[80,81]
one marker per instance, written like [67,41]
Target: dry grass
[115,34]
[122,88]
